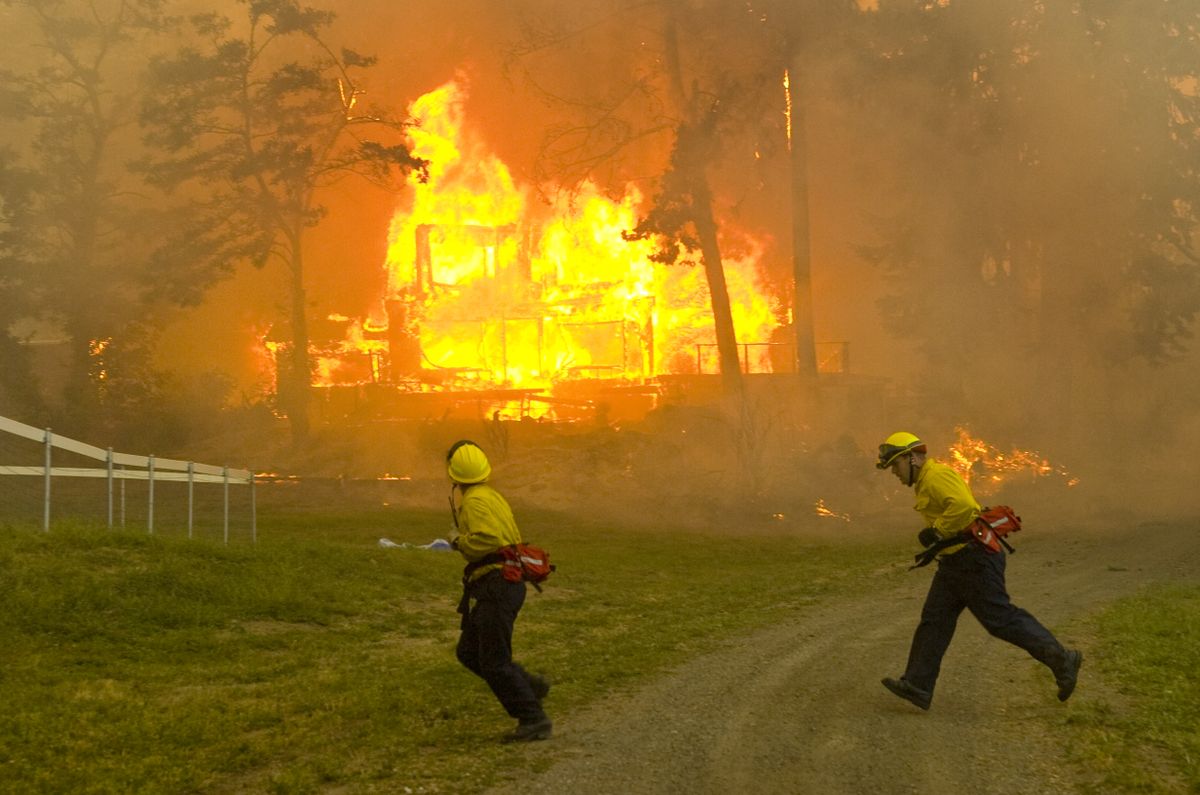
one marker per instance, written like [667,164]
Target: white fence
[121,467]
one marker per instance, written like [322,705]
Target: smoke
[982,178]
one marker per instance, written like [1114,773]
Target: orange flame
[493,284]
[823,510]
[502,287]
[599,306]
[983,463]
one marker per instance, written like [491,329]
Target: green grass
[317,661]
[1143,737]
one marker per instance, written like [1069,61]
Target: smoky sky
[949,320]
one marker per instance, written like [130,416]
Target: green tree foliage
[255,121]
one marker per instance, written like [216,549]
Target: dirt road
[798,708]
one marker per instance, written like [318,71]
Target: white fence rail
[120,467]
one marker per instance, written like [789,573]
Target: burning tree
[262,117]
[691,80]
[682,220]
[734,83]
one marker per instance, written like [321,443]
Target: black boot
[539,685]
[528,731]
[1068,673]
[908,692]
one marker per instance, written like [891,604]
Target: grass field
[1141,734]
[318,661]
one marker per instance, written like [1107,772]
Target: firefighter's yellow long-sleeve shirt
[485,524]
[945,501]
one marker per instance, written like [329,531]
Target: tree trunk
[80,391]
[83,389]
[301,369]
[802,304]
[714,272]
[693,144]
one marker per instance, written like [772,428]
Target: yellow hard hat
[896,445]
[466,463]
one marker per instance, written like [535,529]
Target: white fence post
[46,499]
[191,483]
[150,514]
[253,513]
[108,467]
[225,476]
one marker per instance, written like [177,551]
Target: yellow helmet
[466,463]
[896,445]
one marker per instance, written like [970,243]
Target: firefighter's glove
[923,559]
[928,536]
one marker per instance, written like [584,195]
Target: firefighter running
[968,576]
[490,603]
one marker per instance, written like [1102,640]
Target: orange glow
[555,292]
[986,467]
[96,349]
[334,366]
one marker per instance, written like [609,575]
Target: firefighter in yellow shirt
[483,525]
[968,576]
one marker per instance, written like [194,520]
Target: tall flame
[466,186]
[493,284]
[518,291]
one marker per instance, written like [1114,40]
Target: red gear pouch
[993,525]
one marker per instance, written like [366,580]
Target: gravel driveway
[798,708]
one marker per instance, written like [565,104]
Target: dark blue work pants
[973,579]
[485,646]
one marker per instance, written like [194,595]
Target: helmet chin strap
[912,473]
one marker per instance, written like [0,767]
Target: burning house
[500,298]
